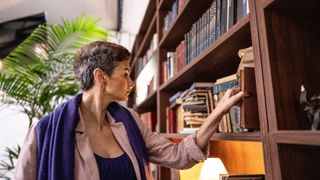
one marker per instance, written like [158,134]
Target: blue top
[115,168]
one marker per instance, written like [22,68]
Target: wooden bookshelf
[289,48]
[165,4]
[286,42]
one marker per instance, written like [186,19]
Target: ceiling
[107,10]
[131,12]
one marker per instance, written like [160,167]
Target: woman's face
[120,84]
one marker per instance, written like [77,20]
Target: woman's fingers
[237,96]
[232,96]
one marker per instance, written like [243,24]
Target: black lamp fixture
[13,32]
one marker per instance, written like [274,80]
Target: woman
[93,137]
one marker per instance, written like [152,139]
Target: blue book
[222,87]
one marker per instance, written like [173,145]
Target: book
[149,119]
[242,8]
[171,120]
[226,78]
[174,97]
[174,174]
[212,23]
[201,85]
[249,117]
[218,19]
[231,15]
[180,119]
[222,87]
[224,20]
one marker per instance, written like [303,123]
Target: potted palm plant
[38,74]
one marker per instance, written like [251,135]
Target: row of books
[143,60]
[239,119]
[176,8]
[244,116]
[174,63]
[218,19]
[149,119]
[146,82]
[230,122]
[147,68]
[190,108]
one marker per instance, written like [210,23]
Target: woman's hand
[210,125]
[230,97]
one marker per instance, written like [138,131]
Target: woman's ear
[99,77]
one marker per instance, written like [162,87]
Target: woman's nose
[131,83]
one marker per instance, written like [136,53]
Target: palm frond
[16,86]
[7,165]
[49,41]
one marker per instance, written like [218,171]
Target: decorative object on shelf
[312,107]
[246,57]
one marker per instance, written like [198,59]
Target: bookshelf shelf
[149,104]
[297,137]
[252,136]
[189,14]
[218,60]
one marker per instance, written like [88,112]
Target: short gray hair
[99,54]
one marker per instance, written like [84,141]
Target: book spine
[224,12]
[249,117]
[218,19]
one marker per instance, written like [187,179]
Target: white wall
[13,128]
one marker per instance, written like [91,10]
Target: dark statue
[312,107]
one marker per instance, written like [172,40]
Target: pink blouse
[162,151]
